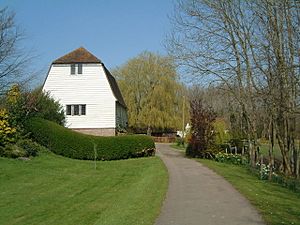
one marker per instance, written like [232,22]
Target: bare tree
[252,49]
[13,58]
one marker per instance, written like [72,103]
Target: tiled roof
[80,55]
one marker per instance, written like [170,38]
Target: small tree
[201,143]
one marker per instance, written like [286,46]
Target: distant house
[88,92]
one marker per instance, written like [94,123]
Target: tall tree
[252,49]
[152,91]
[13,59]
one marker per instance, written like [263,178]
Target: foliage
[235,159]
[23,148]
[30,147]
[250,49]
[221,129]
[46,107]
[201,143]
[180,141]
[276,204]
[12,151]
[23,105]
[7,132]
[72,144]
[152,91]
[51,189]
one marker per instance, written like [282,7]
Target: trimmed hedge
[68,143]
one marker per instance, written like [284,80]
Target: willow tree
[152,91]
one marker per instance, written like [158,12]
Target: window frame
[76,69]
[73,110]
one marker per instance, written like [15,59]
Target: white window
[76,110]
[76,68]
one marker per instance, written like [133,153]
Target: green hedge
[68,143]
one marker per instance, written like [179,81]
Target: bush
[201,143]
[12,151]
[31,148]
[7,132]
[46,107]
[75,145]
[23,105]
[23,148]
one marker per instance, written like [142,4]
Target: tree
[152,92]
[13,60]
[203,117]
[251,48]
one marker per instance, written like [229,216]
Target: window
[73,68]
[79,68]
[83,109]
[76,68]
[75,110]
[68,111]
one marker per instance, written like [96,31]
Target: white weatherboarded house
[88,92]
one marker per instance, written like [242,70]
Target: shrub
[31,148]
[7,132]
[46,107]
[12,151]
[23,148]
[72,144]
[201,143]
[23,105]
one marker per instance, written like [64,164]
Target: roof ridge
[79,55]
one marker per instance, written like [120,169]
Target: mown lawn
[50,189]
[277,205]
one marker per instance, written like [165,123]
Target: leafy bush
[231,158]
[31,148]
[72,144]
[7,132]
[23,148]
[201,143]
[12,151]
[46,107]
[23,105]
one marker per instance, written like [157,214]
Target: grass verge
[51,189]
[276,204]
[178,147]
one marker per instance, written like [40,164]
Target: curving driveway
[198,196]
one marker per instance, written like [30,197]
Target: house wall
[90,88]
[121,116]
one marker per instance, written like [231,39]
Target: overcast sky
[113,30]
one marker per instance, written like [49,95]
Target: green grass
[181,148]
[264,149]
[277,205]
[51,189]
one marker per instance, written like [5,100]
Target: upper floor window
[76,68]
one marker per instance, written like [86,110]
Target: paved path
[198,196]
